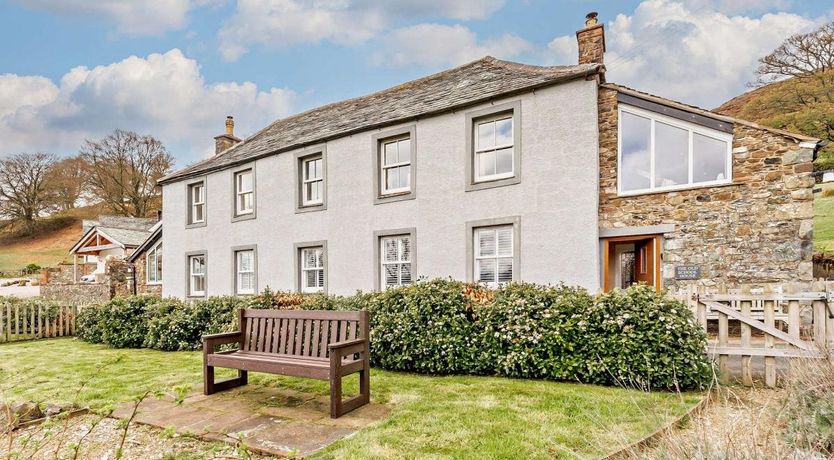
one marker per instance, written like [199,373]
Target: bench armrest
[348,346]
[210,341]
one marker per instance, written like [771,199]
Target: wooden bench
[325,345]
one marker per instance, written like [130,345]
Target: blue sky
[76,69]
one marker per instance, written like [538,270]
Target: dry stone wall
[755,231]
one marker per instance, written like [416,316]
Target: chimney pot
[230,125]
[591,19]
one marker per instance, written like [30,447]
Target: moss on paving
[432,417]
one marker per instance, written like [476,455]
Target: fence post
[723,341]
[746,334]
[770,361]
[829,329]
[819,323]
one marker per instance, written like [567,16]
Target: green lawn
[824,221]
[432,417]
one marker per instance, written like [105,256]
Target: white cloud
[163,95]
[731,7]
[286,22]
[437,45]
[133,17]
[699,56]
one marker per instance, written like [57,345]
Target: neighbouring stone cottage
[100,269]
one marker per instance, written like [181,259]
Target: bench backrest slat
[300,333]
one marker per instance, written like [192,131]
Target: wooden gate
[35,321]
[768,325]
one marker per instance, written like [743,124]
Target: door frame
[606,249]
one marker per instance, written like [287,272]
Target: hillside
[50,245]
[801,106]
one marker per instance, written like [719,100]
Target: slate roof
[128,231]
[476,82]
[150,241]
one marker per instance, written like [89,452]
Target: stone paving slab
[269,420]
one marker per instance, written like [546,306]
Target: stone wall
[140,268]
[63,273]
[76,294]
[755,231]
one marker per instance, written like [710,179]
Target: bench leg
[339,407]
[211,387]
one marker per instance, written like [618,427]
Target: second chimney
[226,140]
[591,39]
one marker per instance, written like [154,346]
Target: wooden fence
[29,321]
[769,326]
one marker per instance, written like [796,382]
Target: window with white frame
[494,148]
[197,275]
[395,165]
[395,260]
[662,153]
[197,201]
[245,271]
[312,178]
[153,274]
[312,269]
[494,262]
[244,192]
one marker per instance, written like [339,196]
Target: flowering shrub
[636,337]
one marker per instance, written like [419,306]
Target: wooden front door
[631,259]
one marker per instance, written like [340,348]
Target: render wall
[556,201]
[755,231]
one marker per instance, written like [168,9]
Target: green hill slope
[49,245]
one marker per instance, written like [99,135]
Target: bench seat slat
[282,364]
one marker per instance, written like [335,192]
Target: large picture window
[659,153]
[154,265]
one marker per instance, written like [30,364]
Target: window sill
[512,180]
[676,189]
[399,196]
[153,283]
[240,217]
[310,208]
[196,225]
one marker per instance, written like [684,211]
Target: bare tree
[802,56]
[124,168]
[68,179]
[23,187]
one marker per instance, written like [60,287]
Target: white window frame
[152,261]
[239,192]
[302,269]
[476,151]
[384,191]
[400,261]
[193,203]
[305,201]
[477,256]
[239,273]
[191,275]
[692,129]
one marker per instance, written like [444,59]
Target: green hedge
[636,338]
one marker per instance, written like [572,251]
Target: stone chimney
[591,40]
[226,140]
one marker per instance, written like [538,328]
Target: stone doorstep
[271,421]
